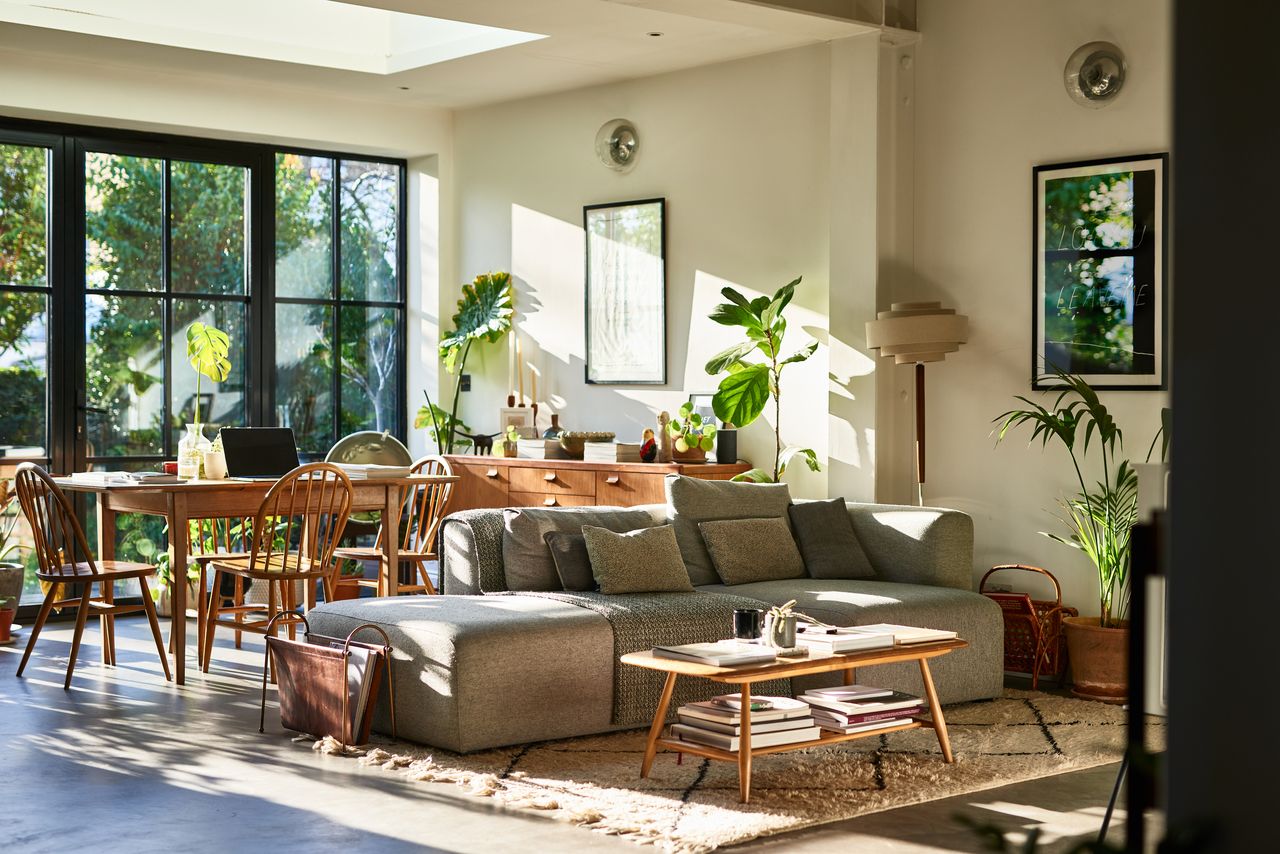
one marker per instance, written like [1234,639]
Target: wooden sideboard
[496,481]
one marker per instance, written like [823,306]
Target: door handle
[550,502]
[549,477]
[491,473]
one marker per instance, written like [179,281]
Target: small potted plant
[11,572]
[215,461]
[691,436]
[780,626]
[510,440]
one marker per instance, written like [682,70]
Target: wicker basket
[1034,642]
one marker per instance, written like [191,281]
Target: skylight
[326,33]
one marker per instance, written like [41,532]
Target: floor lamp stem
[920,433]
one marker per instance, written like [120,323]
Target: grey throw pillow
[691,500]
[526,560]
[747,550]
[573,564]
[827,542]
[643,561]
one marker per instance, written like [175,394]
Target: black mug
[748,623]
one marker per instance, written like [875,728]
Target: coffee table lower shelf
[708,752]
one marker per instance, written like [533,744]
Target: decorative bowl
[573,441]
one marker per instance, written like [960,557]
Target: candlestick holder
[511,400]
[535,415]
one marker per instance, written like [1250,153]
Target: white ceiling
[587,42]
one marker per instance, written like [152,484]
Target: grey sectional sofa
[480,667]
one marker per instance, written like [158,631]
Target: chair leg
[202,612]
[150,608]
[211,619]
[45,607]
[108,624]
[82,616]
[238,599]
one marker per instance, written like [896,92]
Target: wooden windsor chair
[208,539]
[64,559]
[423,507]
[311,503]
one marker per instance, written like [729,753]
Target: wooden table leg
[850,675]
[655,730]
[390,568]
[744,747]
[935,711]
[106,551]
[179,533]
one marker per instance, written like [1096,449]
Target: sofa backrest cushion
[573,563]
[748,550]
[831,549]
[691,500]
[526,560]
[643,561]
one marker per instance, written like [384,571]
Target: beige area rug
[693,807]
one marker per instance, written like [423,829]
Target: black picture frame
[605,357]
[1104,315]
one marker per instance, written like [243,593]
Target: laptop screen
[259,452]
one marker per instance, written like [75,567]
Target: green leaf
[788,454]
[720,362]
[706,443]
[754,476]
[733,296]
[695,420]
[207,349]
[484,312]
[742,396]
[709,430]
[686,409]
[728,314]
[779,302]
[802,355]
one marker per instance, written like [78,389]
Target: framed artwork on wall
[626,311]
[1099,303]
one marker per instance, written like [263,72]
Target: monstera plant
[207,350]
[754,371]
[484,316]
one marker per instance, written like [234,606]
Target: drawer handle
[491,473]
[549,476]
[613,478]
[550,502]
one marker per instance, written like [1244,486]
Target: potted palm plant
[1099,519]
[11,572]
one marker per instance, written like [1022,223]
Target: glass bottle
[191,450]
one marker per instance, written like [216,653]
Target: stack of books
[104,478]
[905,634]
[364,471]
[861,708]
[725,653]
[540,449]
[611,452]
[718,722]
[830,640]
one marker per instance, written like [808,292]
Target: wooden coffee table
[746,675]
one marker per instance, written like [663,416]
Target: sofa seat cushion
[474,672]
[968,674]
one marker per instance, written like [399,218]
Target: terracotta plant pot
[6,620]
[1099,659]
[693,455]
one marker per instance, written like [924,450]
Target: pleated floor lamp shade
[915,333]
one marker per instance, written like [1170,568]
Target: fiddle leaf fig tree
[484,316]
[754,372]
[207,349]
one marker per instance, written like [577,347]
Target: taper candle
[511,362]
[520,372]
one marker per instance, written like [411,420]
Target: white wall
[990,104]
[741,152]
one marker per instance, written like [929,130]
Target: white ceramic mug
[215,465]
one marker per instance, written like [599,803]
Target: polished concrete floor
[125,762]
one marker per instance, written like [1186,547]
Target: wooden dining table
[183,502]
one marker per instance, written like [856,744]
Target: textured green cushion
[691,500]
[747,550]
[573,563]
[526,560]
[827,542]
[643,561]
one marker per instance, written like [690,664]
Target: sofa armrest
[470,549]
[916,545]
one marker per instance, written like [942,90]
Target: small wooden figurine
[664,437]
[649,450]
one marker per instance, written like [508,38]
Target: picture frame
[626,297]
[1099,302]
[520,417]
[702,405]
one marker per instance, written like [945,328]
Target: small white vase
[215,465]
[191,450]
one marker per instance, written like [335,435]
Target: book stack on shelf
[718,722]
[861,708]
[541,449]
[611,452]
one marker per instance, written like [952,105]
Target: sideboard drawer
[479,486]
[629,488]
[559,481]
[549,499]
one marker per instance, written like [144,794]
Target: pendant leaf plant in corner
[1100,517]
[745,392]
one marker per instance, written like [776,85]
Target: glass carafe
[191,452]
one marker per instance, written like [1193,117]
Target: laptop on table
[259,453]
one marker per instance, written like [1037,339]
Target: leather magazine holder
[314,687]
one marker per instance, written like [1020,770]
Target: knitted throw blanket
[641,621]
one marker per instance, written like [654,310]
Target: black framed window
[113,242]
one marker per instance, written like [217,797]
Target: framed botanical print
[626,311]
[1099,303]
